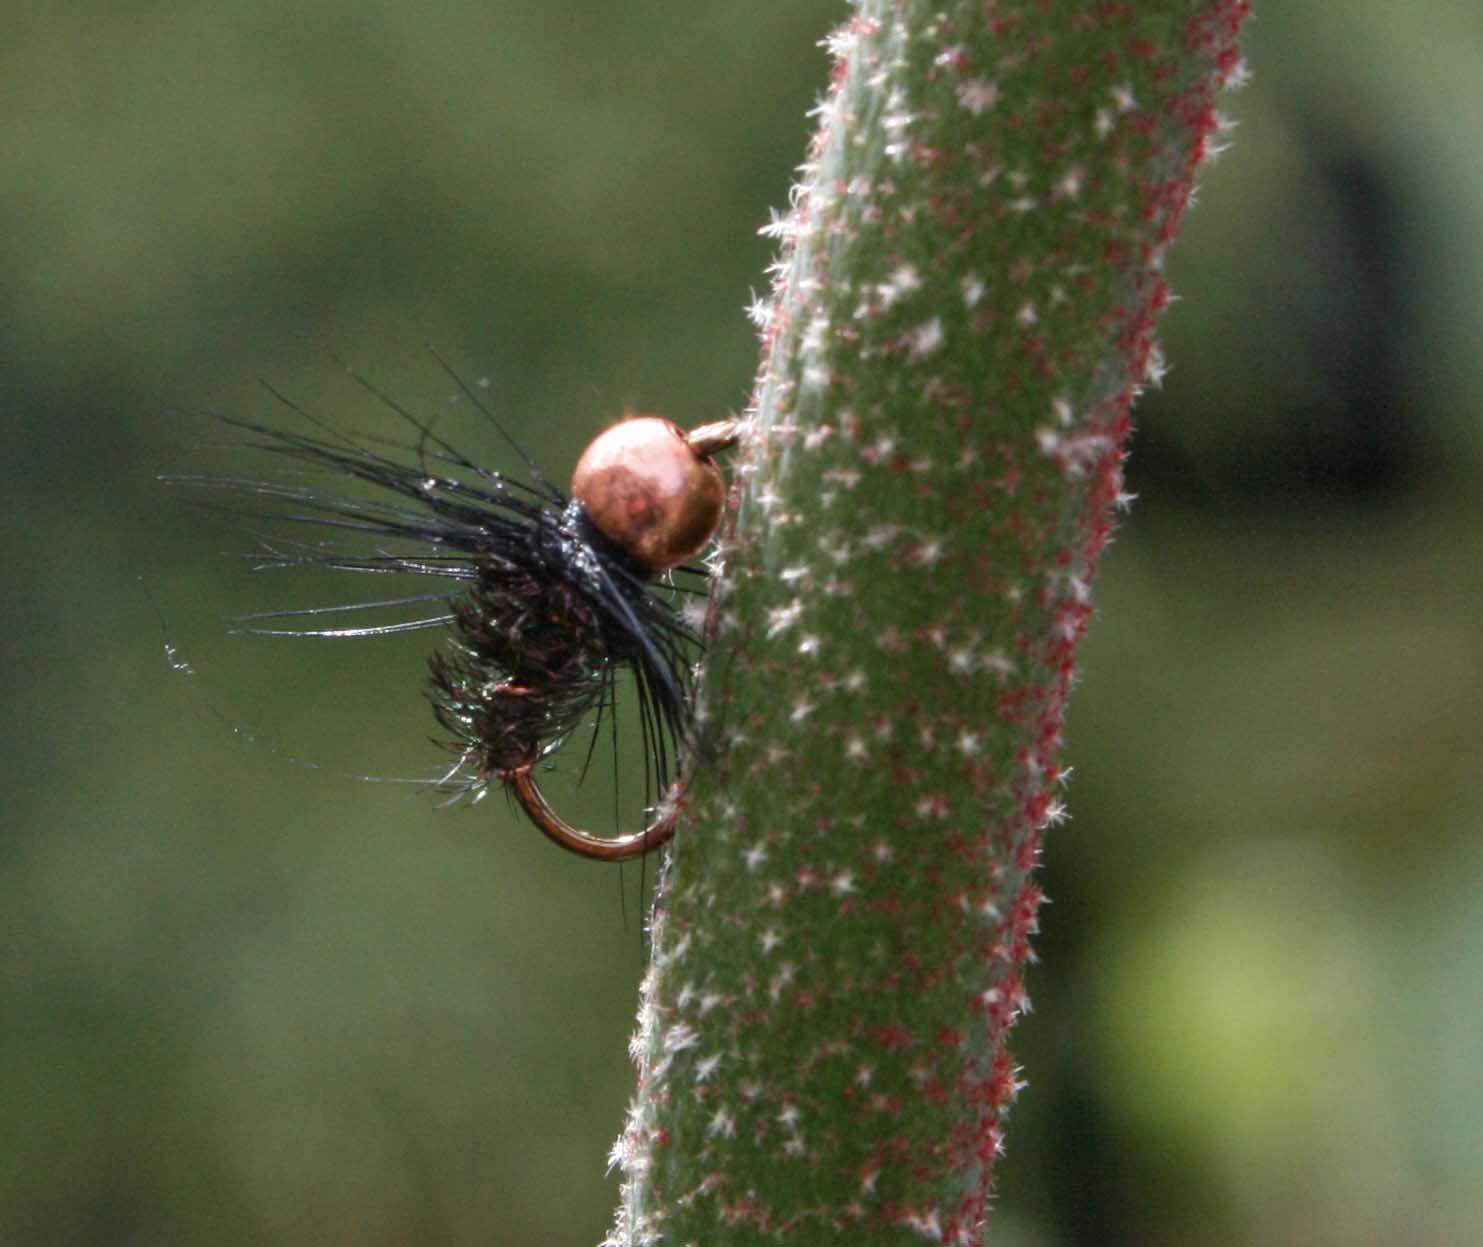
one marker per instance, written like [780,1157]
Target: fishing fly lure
[554,595]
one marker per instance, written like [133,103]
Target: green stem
[962,315]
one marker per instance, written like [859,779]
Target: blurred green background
[247,1001]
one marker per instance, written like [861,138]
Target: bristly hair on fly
[542,613]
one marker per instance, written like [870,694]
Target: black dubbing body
[540,613]
[537,643]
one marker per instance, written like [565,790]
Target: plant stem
[962,315]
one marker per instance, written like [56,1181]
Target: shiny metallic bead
[652,489]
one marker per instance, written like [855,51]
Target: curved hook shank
[584,843]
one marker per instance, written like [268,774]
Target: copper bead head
[650,491]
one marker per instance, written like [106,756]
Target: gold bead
[649,491]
